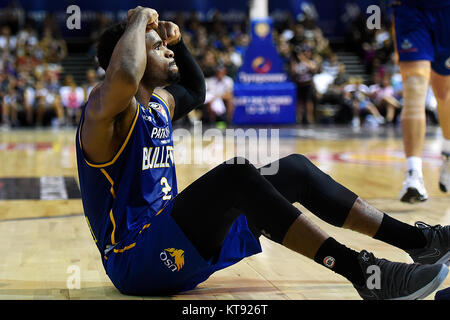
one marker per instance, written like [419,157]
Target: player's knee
[300,166]
[238,160]
[415,89]
[298,158]
[239,167]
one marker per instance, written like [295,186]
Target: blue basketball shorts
[158,259]
[423,34]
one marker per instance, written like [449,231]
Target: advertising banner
[262,91]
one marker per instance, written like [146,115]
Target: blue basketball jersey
[136,184]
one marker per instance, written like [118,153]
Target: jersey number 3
[166,189]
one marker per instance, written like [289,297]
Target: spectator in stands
[219,96]
[8,42]
[41,102]
[302,70]
[54,50]
[381,94]
[298,37]
[209,63]
[72,97]
[357,95]
[242,43]
[9,106]
[91,82]
[48,105]
[331,65]
[29,102]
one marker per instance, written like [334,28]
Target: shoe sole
[429,288]
[412,196]
[445,259]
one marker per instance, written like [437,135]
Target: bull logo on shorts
[178,256]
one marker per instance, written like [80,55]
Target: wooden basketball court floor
[47,251]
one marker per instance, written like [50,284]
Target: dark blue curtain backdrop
[329,11]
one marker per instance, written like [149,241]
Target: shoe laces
[437,232]
[423,225]
[413,175]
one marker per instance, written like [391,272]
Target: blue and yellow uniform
[127,203]
[422,32]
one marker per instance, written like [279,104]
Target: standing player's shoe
[437,249]
[398,281]
[444,178]
[413,189]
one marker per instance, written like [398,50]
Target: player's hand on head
[150,14]
[169,32]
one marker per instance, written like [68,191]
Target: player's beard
[173,76]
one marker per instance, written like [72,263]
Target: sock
[414,163]
[446,147]
[399,234]
[340,259]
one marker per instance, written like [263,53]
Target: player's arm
[190,91]
[126,67]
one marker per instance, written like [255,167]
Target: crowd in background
[34,91]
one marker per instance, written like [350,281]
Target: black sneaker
[386,280]
[437,249]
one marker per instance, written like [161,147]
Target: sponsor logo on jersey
[173,259]
[158,107]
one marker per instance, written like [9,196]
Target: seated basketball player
[154,241]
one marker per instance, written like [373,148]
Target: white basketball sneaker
[444,178]
[413,189]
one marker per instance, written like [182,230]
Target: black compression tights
[207,208]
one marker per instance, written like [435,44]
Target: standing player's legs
[440,81]
[415,76]
[441,89]
[415,48]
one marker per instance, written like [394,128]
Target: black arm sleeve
[190,91]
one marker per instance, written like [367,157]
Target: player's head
[161,69]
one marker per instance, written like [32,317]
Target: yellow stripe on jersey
[102,165]
[162,100]
[126,248]
[110,181]
[111,216]
[90,228]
